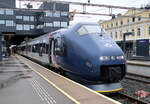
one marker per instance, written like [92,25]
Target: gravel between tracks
[131,86]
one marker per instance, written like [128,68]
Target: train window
[33,48]
[82,31]
[59,49]
[90,29]
[57,45]
[47,46]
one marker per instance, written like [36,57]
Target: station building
[135,21]
[17,24]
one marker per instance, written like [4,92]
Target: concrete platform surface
[20,85]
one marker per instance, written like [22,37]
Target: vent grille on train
[112,73]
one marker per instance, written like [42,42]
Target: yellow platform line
[105,97]
[71,98]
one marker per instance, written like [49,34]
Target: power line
[85,4]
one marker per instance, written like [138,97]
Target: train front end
[102,62]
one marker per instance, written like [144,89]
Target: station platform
[139,63]
[139,67]
[25,82]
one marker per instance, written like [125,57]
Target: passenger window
[47,48]
[59,47]
[33,48]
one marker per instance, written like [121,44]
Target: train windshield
[90,29]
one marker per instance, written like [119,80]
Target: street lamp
[124,39]
[0,47]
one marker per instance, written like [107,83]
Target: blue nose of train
[102,55]
[101,49]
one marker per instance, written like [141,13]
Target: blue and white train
[84,52]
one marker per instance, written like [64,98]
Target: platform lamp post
[0,47]
[124,39]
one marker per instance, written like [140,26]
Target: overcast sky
[127,3]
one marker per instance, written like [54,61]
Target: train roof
[46,36]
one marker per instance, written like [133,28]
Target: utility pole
[0,47]
[124,40]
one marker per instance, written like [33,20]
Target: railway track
[133,83]
[138,78]
[126,99]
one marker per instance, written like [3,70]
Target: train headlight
[120,57]
[112,57]
[104,58]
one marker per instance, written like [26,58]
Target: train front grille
[112,73]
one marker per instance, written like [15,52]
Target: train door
[51,52]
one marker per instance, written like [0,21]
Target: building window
[31,18]
[56,14]
[103,26]
[32,26]
[64,14]
[149,30]
[128,20]
[107,26]
[116,35]
[19,27]
[138,31]
[112,25]
[26,27]
[48,24]
[40,26]
[18,17]
[26,18]
[139,18]
[133,31]
[121,34]
[116,24]
[1,11]
[111,35]
[64,24]
[121,22]
[133,19]
[56,23]
[48,14]
[2,21]
[9,12]
[9,23]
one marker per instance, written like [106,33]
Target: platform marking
[114,101]
[47,94]
[76,102]
[42,92]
